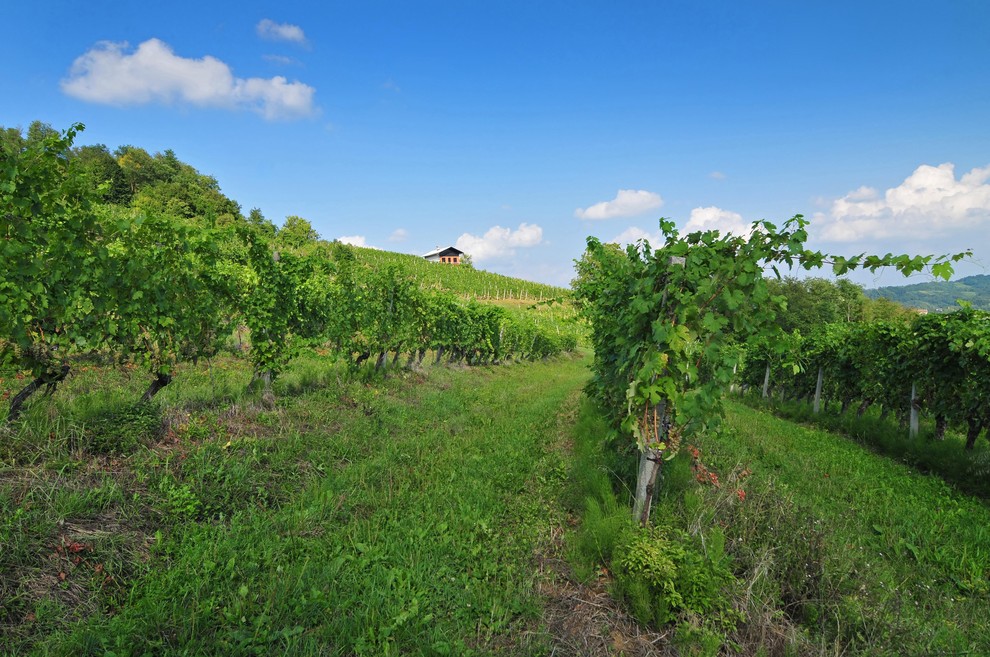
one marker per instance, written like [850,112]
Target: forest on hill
[939,296]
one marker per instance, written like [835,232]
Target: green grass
[966,470]
[367,516]
[899,561]
[359,516]
[833,550]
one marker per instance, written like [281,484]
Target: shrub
[663,572]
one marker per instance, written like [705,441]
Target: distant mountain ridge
[939,296]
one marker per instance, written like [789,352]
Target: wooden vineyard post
[818,392]
[913,430]
[650,458]
[766,382]
[651,454]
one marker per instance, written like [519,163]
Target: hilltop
[939,296]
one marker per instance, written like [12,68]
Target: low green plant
[664,573]
[178,500]
[121,430]
[695,640]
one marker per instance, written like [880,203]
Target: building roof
[443,251]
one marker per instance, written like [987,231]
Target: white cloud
[500,242]
[272,31]
[632,235]
[627,203]
[717,175]
[110,75]
[356,240]
[930,202]
[280,60]
[713,218]
[390,85]
[399,235]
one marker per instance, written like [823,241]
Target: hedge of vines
[82,278]
[667,322]
[944,357]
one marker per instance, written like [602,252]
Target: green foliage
[105,174]
[811,302]
[296,233]
[168,291]
[386,309]
[162,184]
[945,356]
[664,574]
[164,280]
[273,304]
[51,289]
[666,323]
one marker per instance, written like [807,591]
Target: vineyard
[160,283]
[669,327]
[936,364]
[464,281]
[267,443]
[673,330]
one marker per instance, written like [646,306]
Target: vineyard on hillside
[170,275]
[380,505]
[462,280]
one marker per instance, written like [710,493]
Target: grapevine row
[82,278]
[943,358]
[667,325]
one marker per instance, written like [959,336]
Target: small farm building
[449,255]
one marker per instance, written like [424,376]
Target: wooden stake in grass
[818,392]
[913,431]
[650,459]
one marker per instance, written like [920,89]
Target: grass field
[832,549]
[411,515]
[377,517]
[901,560]
[967,470]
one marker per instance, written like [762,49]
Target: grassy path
[905,557]
[388,518]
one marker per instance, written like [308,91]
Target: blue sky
[516,129]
